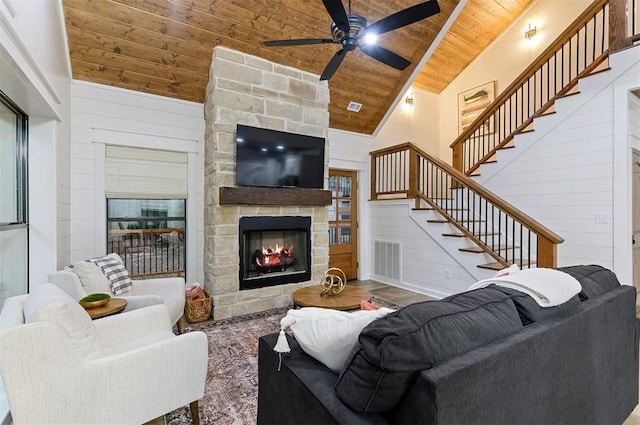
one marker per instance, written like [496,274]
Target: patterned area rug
[231,391]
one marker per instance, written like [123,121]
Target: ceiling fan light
[370,38]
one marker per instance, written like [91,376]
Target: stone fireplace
[248,90]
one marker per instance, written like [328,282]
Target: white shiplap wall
[105,115]
[425,266]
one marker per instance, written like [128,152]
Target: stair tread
[455,235]
[573,93]
[423,209]
[543,114]
[498,266]
[473,249]
[491,266]
[477,249]
[598,71]
[437,221]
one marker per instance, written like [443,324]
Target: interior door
[343,222]
[636,220]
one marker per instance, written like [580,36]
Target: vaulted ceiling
[164,47]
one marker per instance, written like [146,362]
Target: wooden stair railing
[577,52]
[497,227]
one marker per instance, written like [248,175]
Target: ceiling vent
[354,106]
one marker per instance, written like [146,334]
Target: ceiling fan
[352,31]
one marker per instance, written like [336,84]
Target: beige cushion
[48,303]
[94,279]
[91,277]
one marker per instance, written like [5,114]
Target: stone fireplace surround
[245,89]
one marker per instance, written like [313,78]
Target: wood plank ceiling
[164,47]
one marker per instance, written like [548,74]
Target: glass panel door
[343,222]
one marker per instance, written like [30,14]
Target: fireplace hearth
[274,250]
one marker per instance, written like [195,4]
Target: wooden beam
[274,196]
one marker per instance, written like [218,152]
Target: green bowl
[95,300]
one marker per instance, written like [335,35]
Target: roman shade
[147,173]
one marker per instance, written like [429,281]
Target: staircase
[480,230]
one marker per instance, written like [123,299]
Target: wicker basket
[198,310]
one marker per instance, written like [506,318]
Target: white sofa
[60,367]
[145,292]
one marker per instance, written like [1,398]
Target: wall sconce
[408,100]
[530,33]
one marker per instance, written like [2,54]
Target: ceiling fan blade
[405,17]
[333,65]
[297,42]
[385,56]
[338,14]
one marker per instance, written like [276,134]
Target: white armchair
[145,292]
[60,367]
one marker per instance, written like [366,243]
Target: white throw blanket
[549,287]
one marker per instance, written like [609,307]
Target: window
[149,235]
[14,252]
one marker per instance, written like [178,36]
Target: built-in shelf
[274,196]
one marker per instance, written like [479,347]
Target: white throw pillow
[91,277]
[329,335]
[48,303]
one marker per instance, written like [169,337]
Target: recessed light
[354,106]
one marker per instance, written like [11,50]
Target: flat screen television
[278,159]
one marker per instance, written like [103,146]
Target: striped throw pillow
[115,272]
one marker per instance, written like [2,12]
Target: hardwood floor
[402,297]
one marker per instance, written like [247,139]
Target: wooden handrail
[531,69]
[494,225]
[528,221]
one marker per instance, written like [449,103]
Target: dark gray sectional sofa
[488,356]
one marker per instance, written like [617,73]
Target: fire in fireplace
[274,250]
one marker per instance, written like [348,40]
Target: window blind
[145,173]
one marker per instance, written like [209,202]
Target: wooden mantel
[274,196]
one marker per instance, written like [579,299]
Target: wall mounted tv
[278,159]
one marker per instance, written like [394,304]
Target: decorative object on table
[472,103]
[95,300]
[333,282]
[198,304]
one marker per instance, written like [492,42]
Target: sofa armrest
[302,391]
[11,314]
[124,327]
[135,302]
[171,286]
[170,289]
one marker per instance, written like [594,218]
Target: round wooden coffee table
[348,299]
[115,305]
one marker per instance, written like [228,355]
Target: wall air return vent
[387,259]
